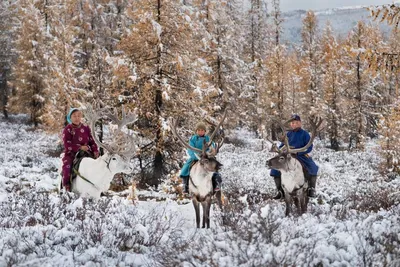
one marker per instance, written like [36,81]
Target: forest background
[168,58]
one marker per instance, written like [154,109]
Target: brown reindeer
[201,174]
[294,182]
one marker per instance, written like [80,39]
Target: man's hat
[294,117]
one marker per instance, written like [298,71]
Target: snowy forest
[192,59]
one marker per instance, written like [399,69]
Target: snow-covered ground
[355,221]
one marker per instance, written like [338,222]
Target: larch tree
[389,13]
[388,64]
[389,128]
[221,52]
[8,28]
[333,86]
[311,71]
[31,70]
[355,89]
[363,88]
[61,35]
[257,33]
[274,83]
[378,97]
[159,68]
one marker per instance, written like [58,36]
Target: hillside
[342,21]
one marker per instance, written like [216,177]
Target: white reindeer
[201,174]
[95,175]
[294,183]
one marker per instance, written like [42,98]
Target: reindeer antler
[122,144]
[126,118]
[92,116]
[180,139]
[214,134]
[214,151]
[315,124]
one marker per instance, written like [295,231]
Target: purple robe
[75,136]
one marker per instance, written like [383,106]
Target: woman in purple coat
[76,136]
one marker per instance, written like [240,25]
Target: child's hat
[72,110]
[201,126]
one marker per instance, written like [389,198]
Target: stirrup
[279,195]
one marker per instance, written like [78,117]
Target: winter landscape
[353,222]
[190,61]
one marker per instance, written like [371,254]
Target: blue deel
[297,139]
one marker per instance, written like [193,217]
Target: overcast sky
[287,5]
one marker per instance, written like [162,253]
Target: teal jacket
[197,142]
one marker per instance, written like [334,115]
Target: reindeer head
[118,164]
[283,160]
[280,162]
[208,160]
[122,145]
[208,154]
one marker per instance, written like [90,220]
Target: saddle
[77,161]
[191,164]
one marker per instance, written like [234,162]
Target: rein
[108,164]
[83,178]
[191,180]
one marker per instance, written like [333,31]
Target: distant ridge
[342,19]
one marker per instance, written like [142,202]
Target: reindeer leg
[206,210]
[208,204]
[197,210]
[306,199]
[297,201]
[288,201]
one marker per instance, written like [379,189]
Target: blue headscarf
[72,110]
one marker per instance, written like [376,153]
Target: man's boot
[185,180]
[311,186]
[278,184]
[216,181]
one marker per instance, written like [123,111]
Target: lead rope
[83,178]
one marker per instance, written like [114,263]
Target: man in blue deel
[298,138]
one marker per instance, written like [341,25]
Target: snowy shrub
[39,224]
[372,199]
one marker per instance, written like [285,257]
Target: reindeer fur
[97,172]
[202,172]
[294,183]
